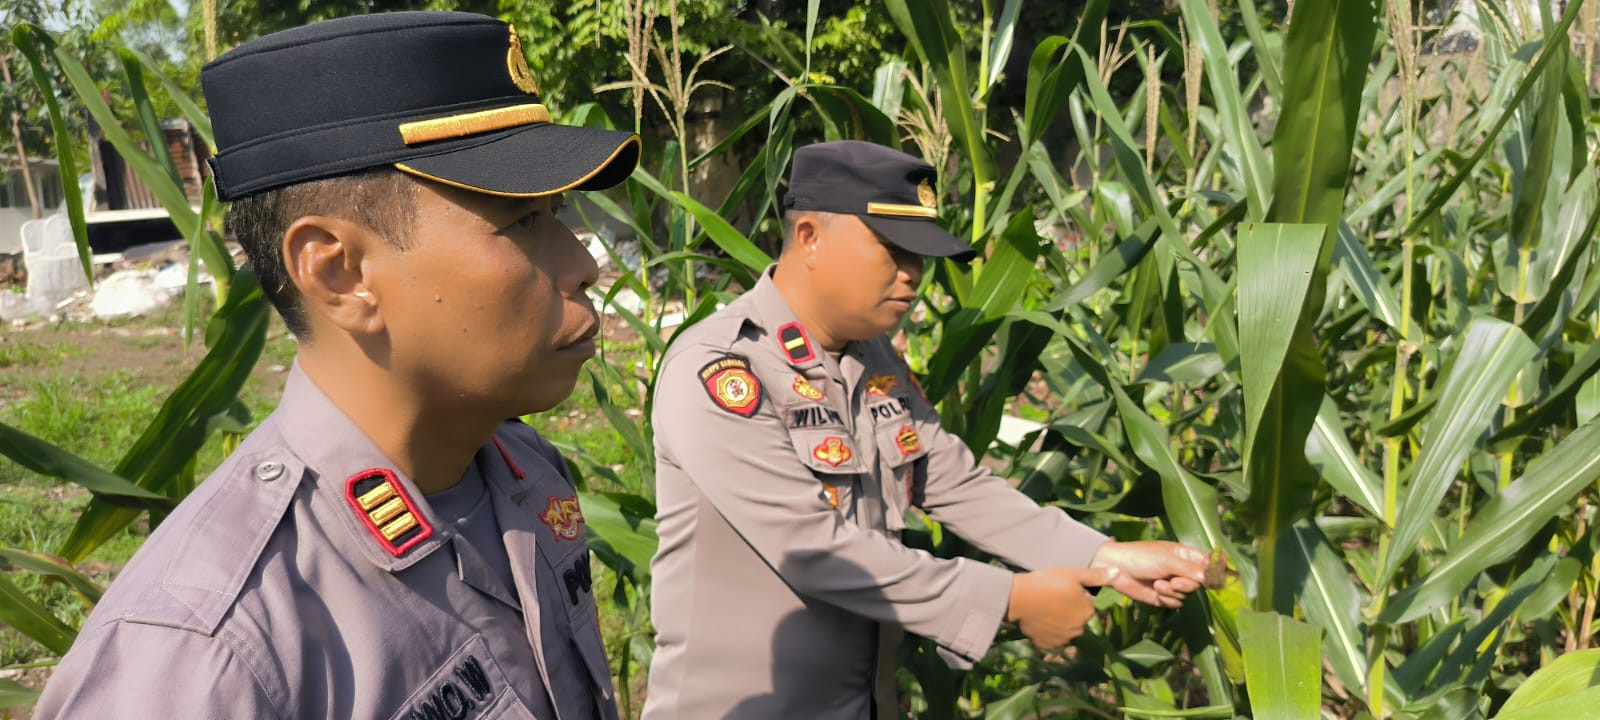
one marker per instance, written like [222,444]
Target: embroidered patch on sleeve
[805,389]
[563,516]
[908,442]
[731,385]
[386,510]
[881,385]
[833,451]
[796,344]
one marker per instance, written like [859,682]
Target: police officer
[791,439]
[385,544]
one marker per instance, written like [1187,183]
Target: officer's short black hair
[381,198]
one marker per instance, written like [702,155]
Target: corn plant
[158,470]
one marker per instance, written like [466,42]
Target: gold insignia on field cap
[517,65]
[925,195]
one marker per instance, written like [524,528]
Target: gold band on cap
[893,210]
[473,123]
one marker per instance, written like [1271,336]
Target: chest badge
[881,385]
[908,442]
[563,516]
[386,510]
[833,451]
[731,385]
[805,389]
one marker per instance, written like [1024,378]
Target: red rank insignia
[880,385]
[386,510]
[563,516]
[805,389]
[907,440]
[832,451]
[731,386]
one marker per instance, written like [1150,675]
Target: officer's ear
[804,237]
[323,257]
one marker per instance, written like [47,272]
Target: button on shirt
[271,592]
[781,587]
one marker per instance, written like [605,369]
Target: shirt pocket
[832,455]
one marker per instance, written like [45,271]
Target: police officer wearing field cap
[791,440]
[385,544]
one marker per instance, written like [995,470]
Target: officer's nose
[579,271]
[911,267]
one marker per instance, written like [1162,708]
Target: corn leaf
[1282,665]
[1490,356]
[53,567]
[236,335]
[27,616]
[1507,523]
[1566,688]
[29,39]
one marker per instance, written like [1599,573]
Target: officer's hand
[1051,606]
[1154,572]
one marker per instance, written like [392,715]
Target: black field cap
[443,96]
[890,191]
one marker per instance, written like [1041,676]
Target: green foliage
[1252,308]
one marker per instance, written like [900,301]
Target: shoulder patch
[796,344]
[731,385]
[386,510]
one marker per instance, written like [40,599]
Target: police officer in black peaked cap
[386,544]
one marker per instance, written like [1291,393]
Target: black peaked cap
[441,95]
[890,191]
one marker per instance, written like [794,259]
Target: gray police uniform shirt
[308,579]
[781,587]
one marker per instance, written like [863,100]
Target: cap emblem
[805,389]
[731,386]
[517,65]
[832,451]
[386,510]
[926,196]
[563,516]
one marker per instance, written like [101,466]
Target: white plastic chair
[51,258]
